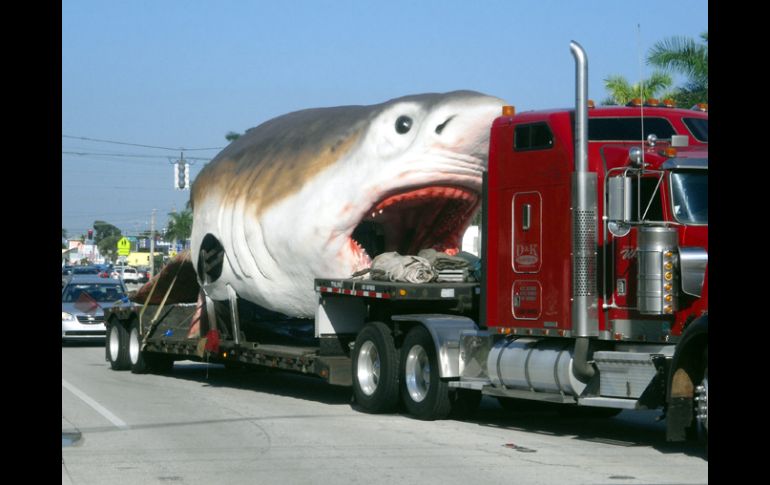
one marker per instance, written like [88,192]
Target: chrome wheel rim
[417,373]
[702,398]
[133,345]
[114,343]
[368,371]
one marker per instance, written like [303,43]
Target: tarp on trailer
[185,288]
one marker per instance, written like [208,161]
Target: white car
[83,300]
[127,273]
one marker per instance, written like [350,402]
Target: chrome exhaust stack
[585,322]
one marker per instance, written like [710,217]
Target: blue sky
[181,74]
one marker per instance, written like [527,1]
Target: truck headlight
[67,316]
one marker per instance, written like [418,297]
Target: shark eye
[403,124]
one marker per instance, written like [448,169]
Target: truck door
[526,255]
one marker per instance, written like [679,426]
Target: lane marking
[119,423]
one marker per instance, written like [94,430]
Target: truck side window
[533,136]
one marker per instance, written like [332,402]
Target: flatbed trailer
[149,338]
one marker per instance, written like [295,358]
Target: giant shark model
[320,192]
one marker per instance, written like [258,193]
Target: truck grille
[85,319]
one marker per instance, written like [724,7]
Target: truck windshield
[689,194]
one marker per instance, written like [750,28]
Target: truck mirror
[619,205]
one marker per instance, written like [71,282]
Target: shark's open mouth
[429,217]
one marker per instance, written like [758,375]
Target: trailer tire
[375,369]
[117,346]
[144,362]
[423,392]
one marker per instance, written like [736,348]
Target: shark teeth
[406,222]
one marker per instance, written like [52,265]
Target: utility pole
[152,244]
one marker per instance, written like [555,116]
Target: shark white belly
[318,193]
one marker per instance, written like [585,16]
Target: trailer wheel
[375,369]
[423,392]
[143,362]
[117,346]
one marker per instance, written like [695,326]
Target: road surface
[204,424]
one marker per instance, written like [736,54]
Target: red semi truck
[593,295]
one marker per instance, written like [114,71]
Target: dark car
[82,270]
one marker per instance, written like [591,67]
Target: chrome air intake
[657,279]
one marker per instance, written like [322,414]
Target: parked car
[128,274]
[83,299]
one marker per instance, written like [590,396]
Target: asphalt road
[204,424]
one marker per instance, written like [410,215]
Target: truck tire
[423,392]
[117,346]
[702,403]
[144,362]
[375,369]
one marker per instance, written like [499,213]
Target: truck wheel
[375,369]
[144,362]
[423,392]
[702,402]
[117,347]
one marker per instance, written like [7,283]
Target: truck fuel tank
[535,365]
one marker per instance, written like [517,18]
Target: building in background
[78,250]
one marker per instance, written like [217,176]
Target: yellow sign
[124,247]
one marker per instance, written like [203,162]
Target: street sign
[124,247]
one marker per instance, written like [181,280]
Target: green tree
[621,91]
[232,136]
[106,237]
[179,226]
[685,56]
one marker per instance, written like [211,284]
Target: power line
[111,187]
[139,145]
[132,155]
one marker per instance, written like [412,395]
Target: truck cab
[595,289]
[656,178]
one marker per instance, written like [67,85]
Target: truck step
[624,374]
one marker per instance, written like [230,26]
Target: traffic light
[90,234]
[181,175]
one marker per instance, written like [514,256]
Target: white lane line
[97,407]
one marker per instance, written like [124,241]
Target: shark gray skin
[320,192]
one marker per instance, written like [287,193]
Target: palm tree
[179,226]
[683,55]
[621,91]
